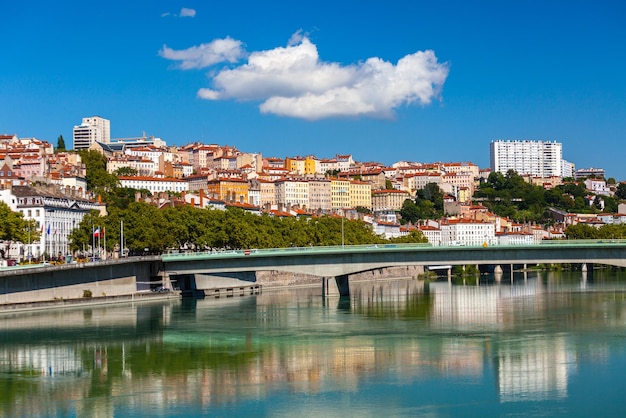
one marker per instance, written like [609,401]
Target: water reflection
[510,341]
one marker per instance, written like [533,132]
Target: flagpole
[105,244]
[49,239]
[121,238]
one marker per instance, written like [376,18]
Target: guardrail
[290,250]
[377,247]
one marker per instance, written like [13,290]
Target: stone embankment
[277,278]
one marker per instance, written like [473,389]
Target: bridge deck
[341,260]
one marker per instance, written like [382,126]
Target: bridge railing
[172,256]
[290,250]
[568,242]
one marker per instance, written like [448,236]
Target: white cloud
[185,12]
[293,81]
[205,55]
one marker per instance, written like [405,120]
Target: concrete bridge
[100,281]
[191,272]
[334,264]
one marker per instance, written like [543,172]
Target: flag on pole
[96,233]
[48,229]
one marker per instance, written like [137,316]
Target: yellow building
[311,166]
[295,165]
[360,194]
[228,190]
[339,193]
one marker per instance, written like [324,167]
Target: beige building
[460,180]
[292,192]
[418,181]
[320,194]
[383,200]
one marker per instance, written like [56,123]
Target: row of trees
[605,232]
[187,227]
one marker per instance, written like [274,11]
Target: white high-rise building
[93,129]
[535,158]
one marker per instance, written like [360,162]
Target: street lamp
[343,216]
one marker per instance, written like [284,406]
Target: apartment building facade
[92,129]
[537,158]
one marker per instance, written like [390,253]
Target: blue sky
[381,80]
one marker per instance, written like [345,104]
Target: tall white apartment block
[535,158]
[93,129]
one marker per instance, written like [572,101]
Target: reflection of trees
[408,299]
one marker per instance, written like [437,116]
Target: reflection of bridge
[334,264]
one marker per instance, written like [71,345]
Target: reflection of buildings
[43,360]
[528,369]
[533,369]
[486,306]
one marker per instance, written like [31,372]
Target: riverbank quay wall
[114,278]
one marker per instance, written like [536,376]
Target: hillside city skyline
[50,187]
[330,155]
[92,130]
[439,82]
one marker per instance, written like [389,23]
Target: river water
[539,344]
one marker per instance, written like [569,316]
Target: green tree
[13,227]
[81,237]
[496,181]
[146,228]
[620,191]
[125,172]
[60,143]
[414,236]
[610,204]
[430,201]
[98,179]
[409,212]
[581,231]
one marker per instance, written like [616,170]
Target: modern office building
[93,129]
[535,158]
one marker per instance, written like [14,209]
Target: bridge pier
[335,286]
